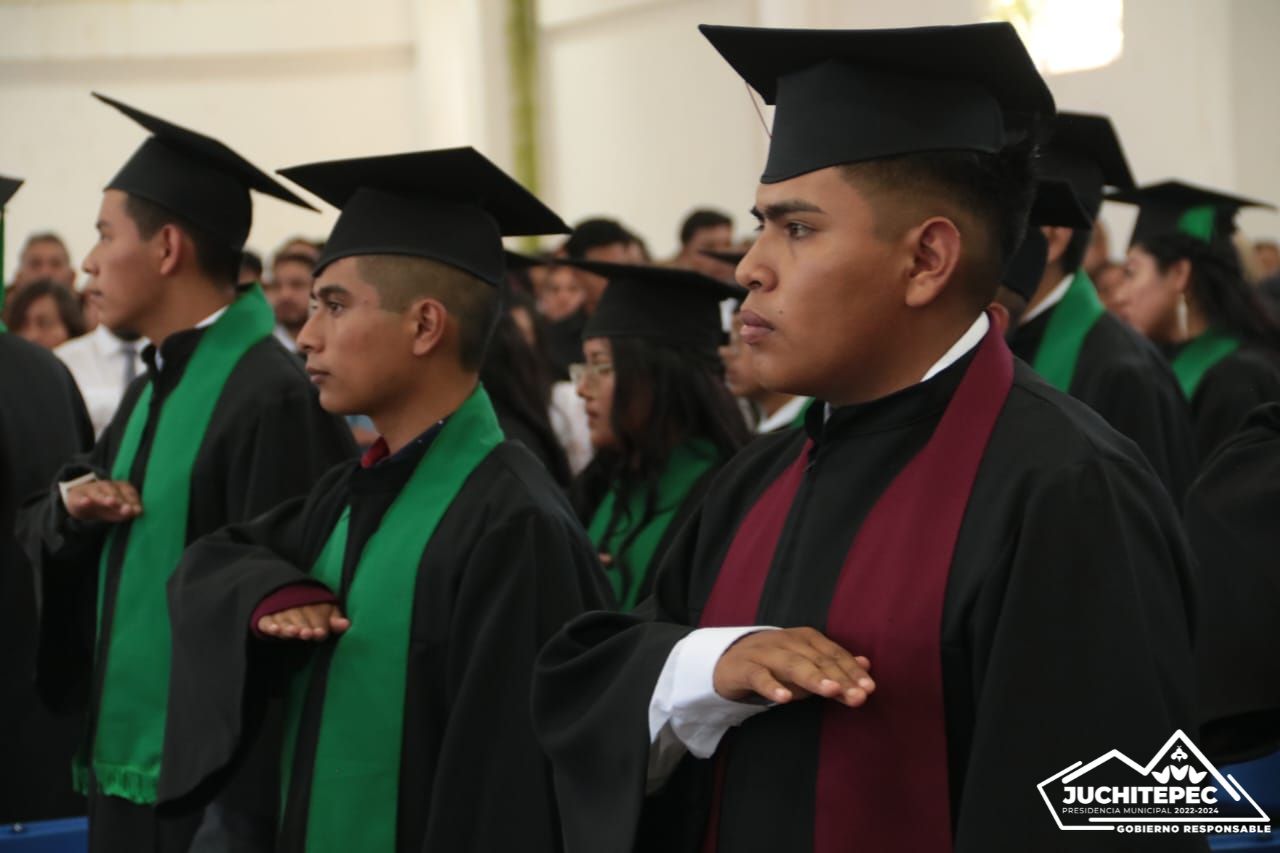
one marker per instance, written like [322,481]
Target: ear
[1000,316]
[171,247]
[1057,238]
[935,255]
[429,319]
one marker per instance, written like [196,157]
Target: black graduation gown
[1233,522]
[507,566]
[1124,377]
[42,424]
[268,440]
[1065,632]
[1229,391]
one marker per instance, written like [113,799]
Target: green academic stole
[1070,323]
[356,778]
[129,728]
[1195,359]
[633,537]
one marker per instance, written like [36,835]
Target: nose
[309,339]
[752,271]
[90,264]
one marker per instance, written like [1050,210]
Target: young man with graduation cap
[1184,290]
[42,423]
[662,421]
[415,588]
[975,581]
[221,427]
[1071,340]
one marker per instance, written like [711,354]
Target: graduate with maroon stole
[882,631]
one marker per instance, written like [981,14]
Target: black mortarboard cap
[450,205]
[1172,207]
[664,303]
[847,96]
[1085,150]
[196,177]
[1055,204]
[518,261]
[8,186]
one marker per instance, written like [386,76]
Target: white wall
[640,118]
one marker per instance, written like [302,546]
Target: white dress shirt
[782,418]
[1054,297]
[685,711]
[98,361]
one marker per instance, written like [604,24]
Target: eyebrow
[100,224]
[778,210]
[329,290]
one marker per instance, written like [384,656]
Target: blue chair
[67,835]
[1261,778]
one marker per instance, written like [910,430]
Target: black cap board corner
[8,186]
[1085,150]
[449,205]
[1055,204]
[194,176]
[846,96]
[1178,207]
[662,303]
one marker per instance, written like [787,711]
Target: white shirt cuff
[68,485]
[685,704]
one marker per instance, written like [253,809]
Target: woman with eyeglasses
[661,420]
[1183,288]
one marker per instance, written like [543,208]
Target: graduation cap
[1172,207]
[1085,150]
[196,177]
[518,261]
[1055,204]
[664,303]
[8,186]
[450,205]
[847,96]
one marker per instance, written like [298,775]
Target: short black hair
[700,219]
[252,261]
[994,191]
[403,279]
[214,258]
[594,233]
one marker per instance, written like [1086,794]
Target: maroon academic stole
[882,772]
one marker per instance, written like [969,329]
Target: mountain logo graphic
[1178,790]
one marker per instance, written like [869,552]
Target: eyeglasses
[589,373]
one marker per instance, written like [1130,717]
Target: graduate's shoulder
[22,362]
[1248,366]
[1120,350]
[511,483]
[268,372]
[1050,429]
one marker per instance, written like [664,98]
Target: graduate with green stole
[1184,289]
[662,421]
[222,426]
[1066,334]
[401,603]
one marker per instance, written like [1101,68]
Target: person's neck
[771,401]
[189,302]
[1052,277]
[918,345]
[417,411]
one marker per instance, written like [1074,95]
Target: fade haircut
[987,196]
[213,257]
[402,280]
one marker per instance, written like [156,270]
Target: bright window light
[1066,35]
